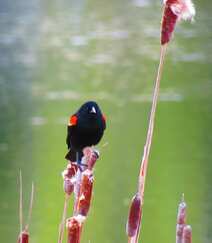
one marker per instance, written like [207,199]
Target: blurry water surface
[54,55]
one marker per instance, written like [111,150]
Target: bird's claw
[80,165]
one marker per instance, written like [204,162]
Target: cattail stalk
[24,233]
[173,11]
[20,202]
[30,207]
[147,146]
[62,224]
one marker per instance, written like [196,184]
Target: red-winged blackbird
[85,128]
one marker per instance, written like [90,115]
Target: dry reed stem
[21,202]
[62,224]
[131,239]
[24,234]
[147,146]
[173,10]
[21,207]
[30,207]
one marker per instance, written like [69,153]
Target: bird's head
[89,115]
[90,109]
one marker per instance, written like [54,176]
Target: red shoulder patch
[73,120]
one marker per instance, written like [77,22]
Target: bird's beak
[93,110]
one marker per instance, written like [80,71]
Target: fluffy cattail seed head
[174,10]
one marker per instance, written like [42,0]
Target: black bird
[85,128]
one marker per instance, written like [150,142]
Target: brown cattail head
[74,229]
[68,186]
[85,192]
[70,170]
[187,234]
[87,151]
[134,216]
[179,233]
[23,237]
[69,177]
[91,156]
[174,10]
[92,160]
[168,24]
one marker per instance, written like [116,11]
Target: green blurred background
[54,55]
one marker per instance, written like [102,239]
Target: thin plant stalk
[173,11]
[147,146]
[62,225]
[30,207]
[24,234]
[21,202]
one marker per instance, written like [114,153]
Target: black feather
[87,132]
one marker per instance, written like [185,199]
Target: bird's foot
[81,166]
